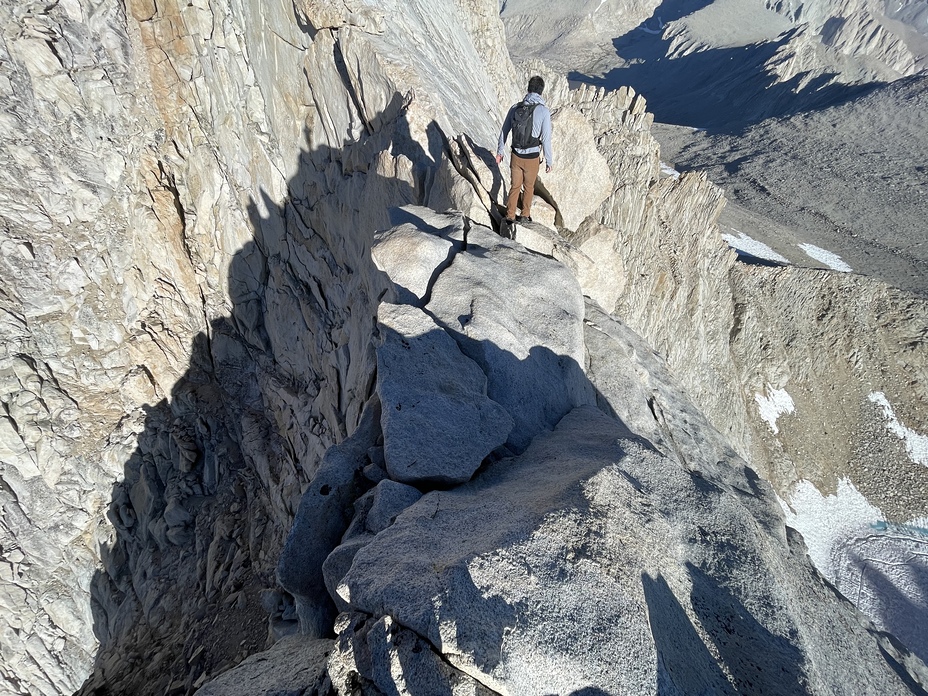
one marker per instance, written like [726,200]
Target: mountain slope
[850,179]
[726,63]
[197,204]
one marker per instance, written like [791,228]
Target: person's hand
[547,169]
[499,158]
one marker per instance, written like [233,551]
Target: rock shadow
[684,663]
[758,661]
[187,586]
[904,616]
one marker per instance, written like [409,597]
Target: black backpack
[522,120]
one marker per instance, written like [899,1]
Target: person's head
[536,84]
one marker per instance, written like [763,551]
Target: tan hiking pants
[524,173]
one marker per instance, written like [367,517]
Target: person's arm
[503,135]
[545,137]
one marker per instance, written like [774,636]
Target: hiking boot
[523,218]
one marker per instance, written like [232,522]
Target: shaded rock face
[294,665]
[188,303]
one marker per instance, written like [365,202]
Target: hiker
[530,124]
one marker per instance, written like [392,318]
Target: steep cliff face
[191,331]
[189,195]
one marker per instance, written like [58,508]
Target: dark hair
[536,84]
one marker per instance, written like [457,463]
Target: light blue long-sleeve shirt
[541,129]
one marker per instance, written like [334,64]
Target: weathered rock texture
[294,665]
[188,200]
[190,195]
[426,384]
[737,335]
[629,549]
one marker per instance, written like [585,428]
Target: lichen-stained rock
[521,319]
[438,423]
[592,561]
[332,14]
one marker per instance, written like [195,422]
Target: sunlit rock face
[195,201]
[627,527]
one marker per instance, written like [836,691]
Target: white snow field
[916,445]
[832,260]
[752,247]
[881,567]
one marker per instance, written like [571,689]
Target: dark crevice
[167,180]
[342,67]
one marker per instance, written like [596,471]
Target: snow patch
[752,247]
[773,404]
[825,521]
[832,260]
[916,445]
[881,566]
[667,170]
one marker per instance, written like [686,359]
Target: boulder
[543,240]
[374,511]
[393,660]
[519,316]
[593,562]
[415,251]
[438,422]
[338,563]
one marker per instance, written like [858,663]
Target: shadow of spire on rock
[199,517]
[903,615]
[684,663]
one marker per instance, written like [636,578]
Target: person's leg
[530,168]
[518,175]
